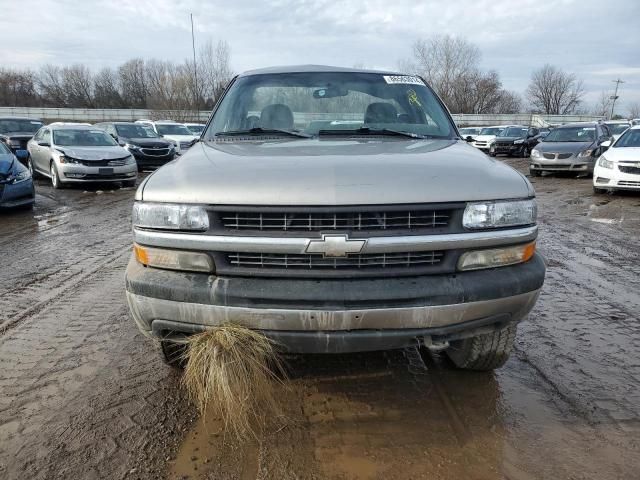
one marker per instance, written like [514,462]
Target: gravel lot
[84,395]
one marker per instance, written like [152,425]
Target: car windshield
[491,131]
[571,134]
[629,139]
[15,125]
[82,138]
[469,131]
[318,103]
[195,129]
[172,129]
[617,128]
[133,130]
[514,132]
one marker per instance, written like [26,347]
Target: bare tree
[554,91]
[105,88]
[602,107]
[133,86]
[18,88]
[77,82]
[634,110]
[214,70]
[51,86]
[510,102]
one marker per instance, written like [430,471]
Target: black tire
[492,154]
[525,152]
[483,352]
[599,191]
[173,353]
[55,177]
[535,173]
[32,170]
[129,183]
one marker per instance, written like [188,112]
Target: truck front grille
[327,221]
[261,261]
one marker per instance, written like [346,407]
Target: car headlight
[67,159]
[535,154]
[22,176]
[173,259]
[167,216]
[129,146]
[500,214]
[130,160]
[496,257]
[604,163]
[518,142]
[585,153]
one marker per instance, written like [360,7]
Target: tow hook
[436,346]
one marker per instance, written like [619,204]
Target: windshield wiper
[372,131]
[262,131]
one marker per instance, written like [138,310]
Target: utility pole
[195,69]
[614,97]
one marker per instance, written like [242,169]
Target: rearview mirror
[22,154]
[330,92]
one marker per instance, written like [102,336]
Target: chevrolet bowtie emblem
[335,246]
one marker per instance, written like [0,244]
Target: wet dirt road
[83,395]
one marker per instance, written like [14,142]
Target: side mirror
[22,154]
[606,144]
[44,144]
[115,137]
[469,138]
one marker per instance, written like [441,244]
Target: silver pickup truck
[336,210]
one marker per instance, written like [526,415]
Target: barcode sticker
[403,79]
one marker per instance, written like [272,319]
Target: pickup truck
[336,210]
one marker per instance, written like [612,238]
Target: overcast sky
[598,40]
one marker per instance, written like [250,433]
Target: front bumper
[335,315]
[613,178]
[571,164]
[17,194]
[72,173]
[151,161]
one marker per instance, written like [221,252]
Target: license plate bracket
[105,171]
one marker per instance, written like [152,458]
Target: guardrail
[107,114]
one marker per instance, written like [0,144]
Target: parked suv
[511,141]
[148,148]
[75,153]
[487,136]
[570,148]
[337,210]
[177,133]
[15,132]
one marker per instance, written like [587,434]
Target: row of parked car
[607,151]
[69,153]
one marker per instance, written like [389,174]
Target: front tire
[535,173]
[483,352]
[173,353]
[525,152]
[129,183]
[599,191]
[32,170]
[55,178]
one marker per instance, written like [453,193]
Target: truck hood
[333,172]
[485,138]
[94,153]
[563,147]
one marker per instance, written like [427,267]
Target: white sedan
[619,167]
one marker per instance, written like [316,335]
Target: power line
[615,96]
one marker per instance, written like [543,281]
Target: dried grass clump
[234,372]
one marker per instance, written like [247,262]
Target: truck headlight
[535,154]
[167,216]
[173,259]
[500,214]
[496,257]
[604,163]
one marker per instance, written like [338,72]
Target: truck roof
[315,69]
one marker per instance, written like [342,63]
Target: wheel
[599,191]
[483,352]
[173,353]
[525,152]
[535,173]
[32,170]
[55,178]
[129,183]
[492,154]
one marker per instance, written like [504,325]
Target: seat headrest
[276,116]
[381,112]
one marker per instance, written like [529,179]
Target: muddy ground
[84,395]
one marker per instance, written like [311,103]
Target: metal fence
[105,114]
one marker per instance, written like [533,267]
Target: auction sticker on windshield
[403,79]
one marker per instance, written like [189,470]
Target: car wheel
[483,352]
[535,173]
[525,152]
[55,178]
[599,191]
[129,183]
[173,353]
[32,170]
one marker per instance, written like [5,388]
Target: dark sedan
[15,132]
[148,148]
[16,184]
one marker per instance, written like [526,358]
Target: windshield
[630,139]
[323,102]
[15,125]
[82,138]
[172,129]
[514,132]
[572,134]
[617,128]
[135,131]
[469,131]
[491,131]
[195,129]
